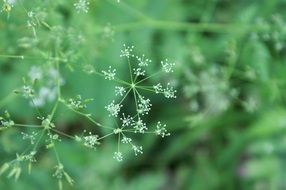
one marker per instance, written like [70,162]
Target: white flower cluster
[144,105]
[139,126]
[90,140]
[78,103]
[44,85]
[48,79]
[126,140]
[51,138]
[27,91]
[134,89]
[127,51]
[126,120]
[29,157]
[31,137]
[161,130]
[113,108]
[137,149]
[139,72]
[167,66]
[6,121]
[168,92]
[119,91]
[118,156]
[109,74]
[142,61]
[82,6]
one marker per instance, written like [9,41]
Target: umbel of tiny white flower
[137,149]
[32,136]
[91,140]
[109,74]
[139,126]
[113,108]
[78,103]
[7,124]
[127,51]
[168,92]
[144,105]
[142,61]
[139,72]
[158,88]
[126,120]
[6,121]
[119,91]
[126,140]
[167,66]
[161,130]
[82,6]
[27,91]
[118,156]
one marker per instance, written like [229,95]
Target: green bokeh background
[228,122]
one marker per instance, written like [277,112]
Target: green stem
[84,115]
[13,56]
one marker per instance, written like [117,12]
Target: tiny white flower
[144,105]
[90,140]
[158,88]
[8,123]
[113,108]
[139,126]
[126,120]
[169,91]
[139,72]
[142,61]
[126,140]
[137,149]
[127,51]
[28,91]
[167,66]
[30,157]
[31,137]
[119,90]
[161,130]
[82,6]
[118,156]
[109,74]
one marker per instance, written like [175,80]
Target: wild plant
[43,86]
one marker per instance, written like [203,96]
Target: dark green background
[227,53]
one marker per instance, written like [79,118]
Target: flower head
[82,6]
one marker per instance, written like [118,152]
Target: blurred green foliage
[228,123]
